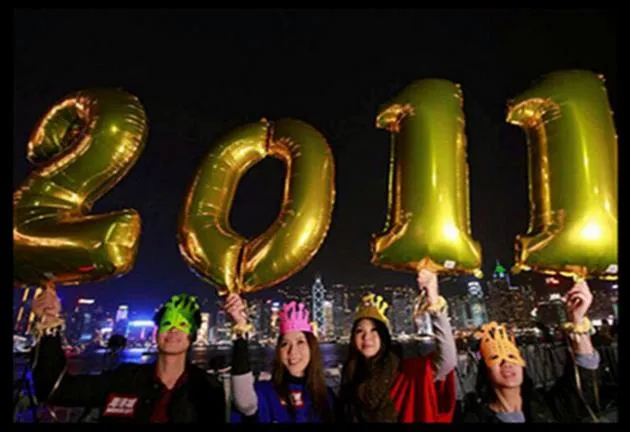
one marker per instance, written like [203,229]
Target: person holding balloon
[171,390]
[505,392]
[378,385]
[297,392]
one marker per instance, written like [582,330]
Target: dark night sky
[200,73]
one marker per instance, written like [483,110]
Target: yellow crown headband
[372,306]
[497,345]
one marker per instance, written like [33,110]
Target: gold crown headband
[497,345]
[372,306]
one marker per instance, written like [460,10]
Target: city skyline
[480,302]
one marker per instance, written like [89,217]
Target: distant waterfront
[212,357]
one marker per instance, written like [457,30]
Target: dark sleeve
[332,403]
[574,396]
[240,357]
[54,385]
[476,412]
[471,416]
[243,393]
[341,409]
[216,398]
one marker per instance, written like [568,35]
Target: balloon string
[578,384]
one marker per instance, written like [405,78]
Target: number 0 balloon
[217,253]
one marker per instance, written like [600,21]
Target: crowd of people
[378,383]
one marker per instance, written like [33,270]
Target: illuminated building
[340,300]
[121,320]
[265,320]
[275,310]
[83,324]
[319,293]
[203,330]
[222,326]
[103,335]
[140,333]
[255,318]
[329,323]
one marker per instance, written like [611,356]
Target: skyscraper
[83,321]
[339,301]
[329,321]
[203,333]
[476,304]
[319,293]
[509,303]
[397,312]
[255,318]
[220,327]
[275,313]
[265,320]
[120,323]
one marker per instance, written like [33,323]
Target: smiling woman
[297,391]
[378,385]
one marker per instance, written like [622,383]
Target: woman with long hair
[506,393]
[297,392]
[378,385]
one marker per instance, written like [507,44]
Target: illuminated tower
[319,292]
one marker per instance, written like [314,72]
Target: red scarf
[417,398]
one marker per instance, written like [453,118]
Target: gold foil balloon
[428,218]
[83,147]
[218,254]
[573,175]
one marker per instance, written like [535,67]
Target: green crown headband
[179,313]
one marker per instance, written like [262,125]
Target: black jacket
[562,403]
[126,394]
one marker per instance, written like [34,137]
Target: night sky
[200,73]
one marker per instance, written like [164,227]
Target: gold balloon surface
[428,215]
[221,256]
[573,176]
[83,147]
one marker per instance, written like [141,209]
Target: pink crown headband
[294,317]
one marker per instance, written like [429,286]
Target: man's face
[174,318]
[174,332]
[173,342]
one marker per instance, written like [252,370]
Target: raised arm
[575,393]
[53,384]
[243,392]
[445,357]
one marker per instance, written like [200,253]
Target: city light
[141,323]
[471,302]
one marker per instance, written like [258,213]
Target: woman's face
[366,338]
[506,375]
[295,354]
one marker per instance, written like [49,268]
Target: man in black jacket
[171,390]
